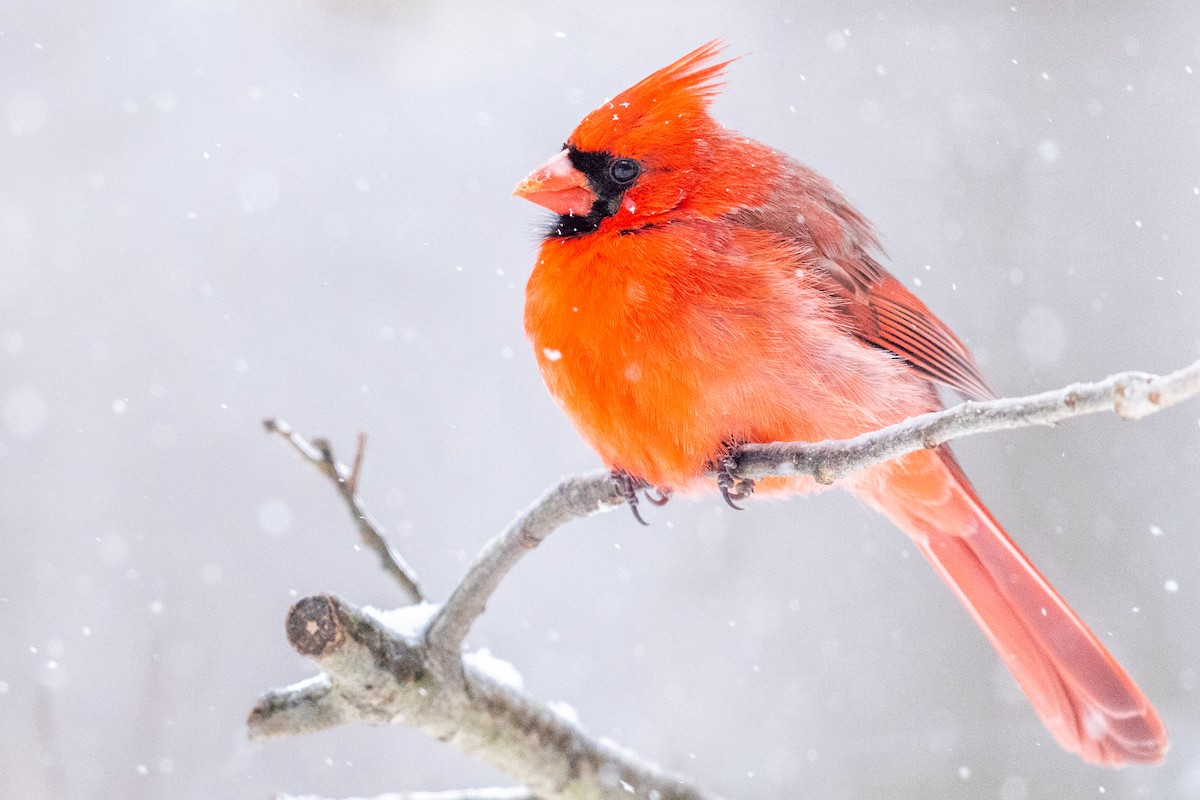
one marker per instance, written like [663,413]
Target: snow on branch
[377,674]
[379,671]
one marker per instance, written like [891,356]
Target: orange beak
[558,186]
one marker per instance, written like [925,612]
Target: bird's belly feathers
[663,359]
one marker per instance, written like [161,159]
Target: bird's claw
[629,487]
[663,495]
[732,488]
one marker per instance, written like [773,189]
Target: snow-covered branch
[379,671]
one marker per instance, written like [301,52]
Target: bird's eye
[624,170]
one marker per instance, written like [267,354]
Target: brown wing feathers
[911,331]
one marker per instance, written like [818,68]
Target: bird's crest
[670,104]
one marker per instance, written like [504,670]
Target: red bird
[699,290]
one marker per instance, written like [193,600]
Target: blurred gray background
[213,212]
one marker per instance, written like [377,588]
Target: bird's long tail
[1082,695]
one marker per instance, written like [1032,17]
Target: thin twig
[356,470]
[1132,395]
[319,453]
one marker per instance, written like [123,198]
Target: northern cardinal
[699,290]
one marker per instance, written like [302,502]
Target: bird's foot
[732,488]
[629,487]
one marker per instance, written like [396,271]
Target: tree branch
[574,497]
[305,707]
[416,675]
[377,674]
[1131,395]
[319,453]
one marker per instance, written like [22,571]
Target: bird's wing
[889,316]
[835,241]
